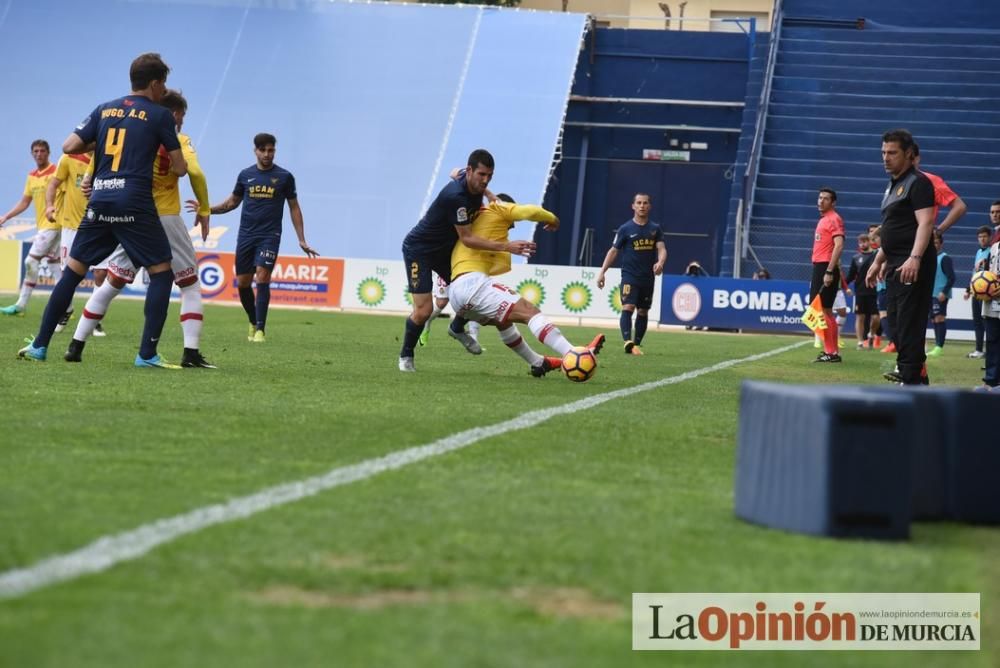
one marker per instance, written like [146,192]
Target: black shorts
[259,252]
[938,307]
[419,266]
[140,234]
[865,304]
[826,294]
[639,294]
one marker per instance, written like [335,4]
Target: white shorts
[476,296]
[440,290]
[840,301]
[45,243]
[183,261]
[65,245]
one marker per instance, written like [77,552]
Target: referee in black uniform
[906,260]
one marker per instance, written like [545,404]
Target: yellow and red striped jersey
[34,187]
[166,190]
[493,222]
[71,169]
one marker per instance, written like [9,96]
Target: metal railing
[742,241]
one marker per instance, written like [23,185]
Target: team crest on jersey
[899,191]
[463,215]
[274,179]
[818,237]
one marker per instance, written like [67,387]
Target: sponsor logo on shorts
[109,184]
[101,218]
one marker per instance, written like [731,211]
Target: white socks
[96,308]
[549,334]
[191,315]
[30,279]
[513,339]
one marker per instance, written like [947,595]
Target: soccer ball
[985,285]
[579,364]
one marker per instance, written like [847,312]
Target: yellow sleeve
[199,184]
[62,169]
[27,186]
[532,212]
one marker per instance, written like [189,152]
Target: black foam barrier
[957,455]
[825,460]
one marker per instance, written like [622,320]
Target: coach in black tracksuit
[906,259]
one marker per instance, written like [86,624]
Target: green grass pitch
[520,550]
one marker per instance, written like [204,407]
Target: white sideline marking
[107,551]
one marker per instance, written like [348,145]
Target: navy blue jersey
[264,193]
[128,133]
[637,246]
[454,205]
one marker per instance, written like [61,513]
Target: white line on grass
[107,551]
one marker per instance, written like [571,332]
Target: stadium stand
[837,82]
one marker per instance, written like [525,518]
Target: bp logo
[371,291]
[576,297]
[615,299]
[532,291]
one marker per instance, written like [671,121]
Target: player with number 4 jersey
[125,135]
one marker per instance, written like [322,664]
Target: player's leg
[979,327]
[262,276]
[643,301]
[628,297]
[939,313]
[121,272]
[419,284]
[147,246]
[40,247]
[184,264]
[91,243]
[440,302]
[245,254]
[860,324]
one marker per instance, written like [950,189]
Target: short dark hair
[863,236]
[264,139]
[147,68]
[40,142]
[873,226]
[833,193]
[504,197]
[638,194]
[481,157]
[996,203]
[984,229]
[899,136]
[916,149]
[174,100]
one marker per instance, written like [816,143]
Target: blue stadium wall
[689,198]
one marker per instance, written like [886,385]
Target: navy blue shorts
[256,252]
[139,233]
[420,265]
[639,294]
[939,308]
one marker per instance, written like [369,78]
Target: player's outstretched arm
[609,260]
[537,214]
[21,205]
[661,258]
[296,212]
[225,206]
[475,242]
